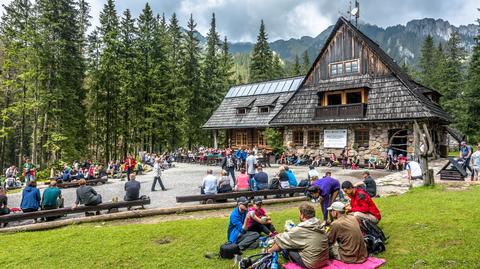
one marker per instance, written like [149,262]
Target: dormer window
[241,111]
[344,67]
[264,109]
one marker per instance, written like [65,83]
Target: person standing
[130,163]
[466,154]
[157,172]
[251,165]
[326,188]
[229,163]
[476,162]
[29,171]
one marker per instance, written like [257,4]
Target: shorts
[476,169]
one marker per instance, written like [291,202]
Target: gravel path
[185,179]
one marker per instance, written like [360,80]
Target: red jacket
[361,202]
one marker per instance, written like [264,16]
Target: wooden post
[215,143]
[424,146]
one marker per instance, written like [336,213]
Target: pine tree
[306,63]
[226,67]
[427,62]
[211,73]
[128,82]
[296,68]
[472,93]
[176,108]
[278,68]
[196,100]
[262,56]
[108,79]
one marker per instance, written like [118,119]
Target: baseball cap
[257,200]
[242,200]
[337,206]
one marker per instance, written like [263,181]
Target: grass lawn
[433,228]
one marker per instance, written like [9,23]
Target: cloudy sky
[240,19]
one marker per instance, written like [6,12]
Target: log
[137,214]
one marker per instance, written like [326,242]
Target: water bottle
[274,260]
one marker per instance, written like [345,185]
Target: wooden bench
[232,195]
[74,184]
[109,206]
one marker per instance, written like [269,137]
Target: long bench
[233,195]
[110,206]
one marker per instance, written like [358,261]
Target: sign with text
[335,138]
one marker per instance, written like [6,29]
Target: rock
[419,264]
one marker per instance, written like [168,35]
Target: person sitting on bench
[345,237]
[261,179]
[132,189]
[224,183]
[306,244]
[66,173]
[209,183]
[86,195]
[237,226]
[52,199]
[372,162]
[30,198]
[102,173]
[242,181]
[361,205]
[4,210]
[258,220]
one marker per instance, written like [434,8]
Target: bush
[275,140]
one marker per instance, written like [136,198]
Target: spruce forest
[72,91]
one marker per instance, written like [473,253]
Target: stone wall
[377,146]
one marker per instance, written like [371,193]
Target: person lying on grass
[361,205]
[237,227]
[306,244]
[345,237]
[258,220]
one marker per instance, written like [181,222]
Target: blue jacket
[235,225]
[237,154]
[243,155]
[30,198]
[292,180]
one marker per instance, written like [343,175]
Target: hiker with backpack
[237,227]
[229,163]
[361,205]
[305,244]
[345,237]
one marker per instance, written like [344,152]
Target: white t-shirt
[414,167]
[476,158]
[312,173]
[251,164]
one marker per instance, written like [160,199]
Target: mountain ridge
[402,42]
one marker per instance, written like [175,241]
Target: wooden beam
[231,195]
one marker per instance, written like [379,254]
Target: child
[258,220]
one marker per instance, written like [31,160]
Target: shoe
[152,190]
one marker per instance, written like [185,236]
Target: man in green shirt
[52,197]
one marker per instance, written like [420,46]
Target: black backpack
[229,250]
[374,237]
[257,261]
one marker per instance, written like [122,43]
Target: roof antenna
[355,12]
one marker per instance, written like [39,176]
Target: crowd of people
[314,241]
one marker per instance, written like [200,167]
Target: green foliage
[427,62]
[275,140]
[296,68]
[262,56]
[306,63]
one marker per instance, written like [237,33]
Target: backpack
[374,237]
[229,250]
[257,261]
[304,183]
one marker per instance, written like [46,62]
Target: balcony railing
[341,111]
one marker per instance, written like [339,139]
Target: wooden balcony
[340,111]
